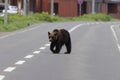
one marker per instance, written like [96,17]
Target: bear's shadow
[51,53]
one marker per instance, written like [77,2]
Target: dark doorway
[83,8]
[56,8]
[112,8]
[41,2]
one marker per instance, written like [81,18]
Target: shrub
[43,17]
[93,17]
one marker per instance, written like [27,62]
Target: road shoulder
[117,31]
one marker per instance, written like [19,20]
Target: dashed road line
[42,48]
[36,52]
[29,56]
[2,77]
[20,62]
[9,69]
[47,44]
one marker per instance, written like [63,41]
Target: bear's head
[53,36]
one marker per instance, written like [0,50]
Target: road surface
[25,54]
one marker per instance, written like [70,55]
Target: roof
[114,1]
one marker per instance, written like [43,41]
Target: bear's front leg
[58,47]
[52,45]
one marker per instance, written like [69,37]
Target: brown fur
[58,38]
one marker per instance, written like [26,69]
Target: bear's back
[64,34]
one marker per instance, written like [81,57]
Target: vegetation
[17,21]
[94,17]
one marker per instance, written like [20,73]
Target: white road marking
[42,48]
[88,23]
[97,23]
[36,52]
[30,29]
[2,77]
[9,69]
[75,27]
[29,56]
[115,35]
[18,32]
[47,44]
[2,37]
[20,62]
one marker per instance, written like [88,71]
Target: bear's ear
[48,33]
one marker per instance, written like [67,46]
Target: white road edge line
[20,62]
[2,37]
[17,32]
[2,77]
[115,35]
[72,29]
[28,56]
[9,69]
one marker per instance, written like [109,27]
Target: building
[110,7]
[70,8]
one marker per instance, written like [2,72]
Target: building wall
[37,4]
[46,6]
[119,11]
[69,8]
[88,7]
[103,8]
[66,8]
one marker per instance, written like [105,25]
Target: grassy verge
[94,17]
[16,21]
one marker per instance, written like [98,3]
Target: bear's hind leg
[68,47]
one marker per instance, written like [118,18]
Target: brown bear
[58,38]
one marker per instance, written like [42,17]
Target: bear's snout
[50,40]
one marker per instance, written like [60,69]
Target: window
[97,7]
[1,8]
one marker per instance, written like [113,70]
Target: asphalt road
[25,54]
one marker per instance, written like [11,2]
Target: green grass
[16,21]
[94,17]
